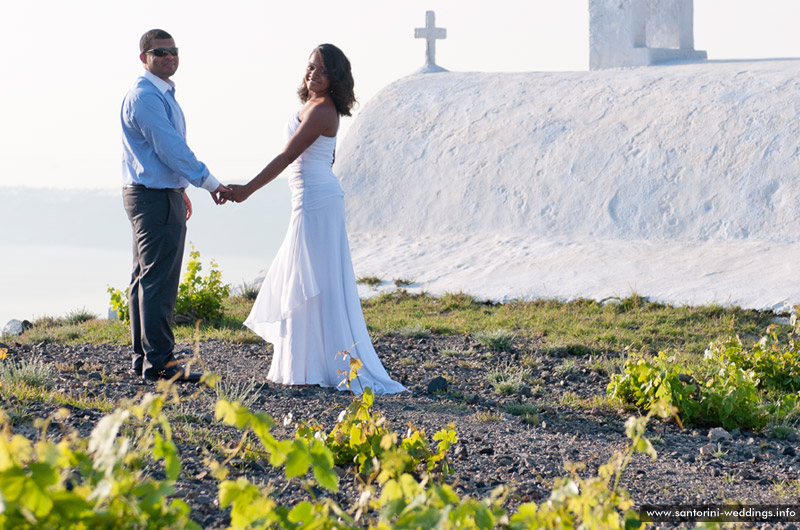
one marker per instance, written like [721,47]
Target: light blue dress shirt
[154,150]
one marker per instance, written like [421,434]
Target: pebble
[437,384]
[203,500]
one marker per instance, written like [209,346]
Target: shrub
[775,363]
[723,394]
[201,297]
[198,297]
[119,303]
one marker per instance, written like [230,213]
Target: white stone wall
[640,32]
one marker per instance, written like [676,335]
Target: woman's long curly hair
[340,77]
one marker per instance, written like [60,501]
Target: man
[157,165]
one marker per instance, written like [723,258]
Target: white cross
[430,33]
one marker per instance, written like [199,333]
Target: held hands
[217,194]
[235,193]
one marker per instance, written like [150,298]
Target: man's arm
[151,119]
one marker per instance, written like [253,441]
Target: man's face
[163,67]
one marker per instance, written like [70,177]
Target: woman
[308,307]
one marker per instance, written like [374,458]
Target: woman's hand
[236,193]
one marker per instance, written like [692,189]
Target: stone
[718,434]
[504,460]
[203,500]
[13,328]
[708,449]
[788,450]
[437,384]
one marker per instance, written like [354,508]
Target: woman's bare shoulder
[322,113]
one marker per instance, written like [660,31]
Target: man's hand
[219,194]
[188,205]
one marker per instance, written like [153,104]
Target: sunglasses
[162,52]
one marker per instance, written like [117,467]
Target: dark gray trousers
[158,222]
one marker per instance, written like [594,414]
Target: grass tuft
[498,340]
[79,316]
[414,332]
[372,281]
[245,392]
[248,290]
[33,372]
[508,379]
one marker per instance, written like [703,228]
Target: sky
[67,66]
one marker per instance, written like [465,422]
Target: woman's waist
[311,176]
[313,196]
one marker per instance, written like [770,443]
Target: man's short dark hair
[147,38]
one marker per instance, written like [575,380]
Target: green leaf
[297,459]
[35,498]
[167,451]
[303,512]
[12,483]
[322,466]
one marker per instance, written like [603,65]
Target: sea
[60,250]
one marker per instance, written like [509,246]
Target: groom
[157,165]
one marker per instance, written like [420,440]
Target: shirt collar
[161,85]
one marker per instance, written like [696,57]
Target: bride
[308,306]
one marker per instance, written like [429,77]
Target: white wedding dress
[308,306]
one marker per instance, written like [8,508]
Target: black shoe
[177,372]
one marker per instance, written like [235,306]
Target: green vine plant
[199,297]
[106,480]
[99,482]
[733,387]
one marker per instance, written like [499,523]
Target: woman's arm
[318,119]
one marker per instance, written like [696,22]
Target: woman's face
[316,77]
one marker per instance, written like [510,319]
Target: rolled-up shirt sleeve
[149,116]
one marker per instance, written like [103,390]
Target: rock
[203,500]
[708,449]
[504,460]
[788,451]
[437,384]
[13,328]
[486,451]
[94,376]
[717,434]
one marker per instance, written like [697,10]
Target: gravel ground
[494,447]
